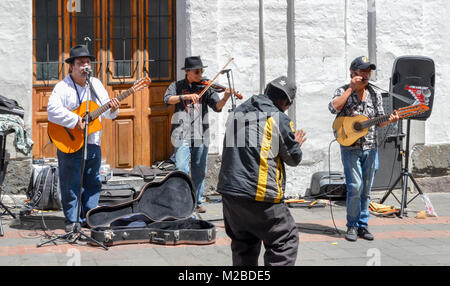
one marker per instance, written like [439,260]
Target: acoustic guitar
[71,140]
[348,129]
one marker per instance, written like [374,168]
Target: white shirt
[64,100]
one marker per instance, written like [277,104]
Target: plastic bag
[428,206]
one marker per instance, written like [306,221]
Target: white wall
[16,50]
[329,35]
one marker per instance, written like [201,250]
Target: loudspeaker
[413,77]
[389,140]
[327,185]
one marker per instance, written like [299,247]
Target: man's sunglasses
[199,71]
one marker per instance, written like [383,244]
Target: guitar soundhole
[357,126]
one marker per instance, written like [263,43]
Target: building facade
[312,41]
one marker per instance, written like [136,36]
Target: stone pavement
[407,241]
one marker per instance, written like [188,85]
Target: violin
[216,87]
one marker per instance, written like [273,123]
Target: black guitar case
[162,213]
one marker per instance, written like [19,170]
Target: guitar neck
[375,121]
[102,109]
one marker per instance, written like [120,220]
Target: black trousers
[249,222]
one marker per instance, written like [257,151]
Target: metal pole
[372,34]
[290,27]
[262,53]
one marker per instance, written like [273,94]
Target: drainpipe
[262,53]
[290,23]
[372,36]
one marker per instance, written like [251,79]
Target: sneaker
[364,233]
[201,209]
[351,234]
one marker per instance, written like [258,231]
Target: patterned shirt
[372,107]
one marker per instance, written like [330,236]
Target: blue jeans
[195,157]
[360,168]
[69,178]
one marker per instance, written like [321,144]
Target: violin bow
[214,78]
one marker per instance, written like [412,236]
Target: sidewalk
[407,241]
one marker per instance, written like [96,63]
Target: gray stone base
[430,160]
[434,184]
[212,174]
[18,175]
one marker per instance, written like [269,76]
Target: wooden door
[131,39]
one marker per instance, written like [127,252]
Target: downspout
[290,23]
[372,36]
[262,53]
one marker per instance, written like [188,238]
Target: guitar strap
[90,87]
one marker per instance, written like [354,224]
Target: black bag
[161,213]
[44,192]
[327,185]
[10,106]
[113,194]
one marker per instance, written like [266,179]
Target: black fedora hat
[193,63]
[79,51]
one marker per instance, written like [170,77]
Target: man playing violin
[360,160]
[190,124]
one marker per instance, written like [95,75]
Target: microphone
[87,69]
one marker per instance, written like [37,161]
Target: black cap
[193,63]
[79,51]
[362,63]
[282,85]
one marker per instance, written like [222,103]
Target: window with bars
[123,38]
[86,29]
[159,38]
[47,42]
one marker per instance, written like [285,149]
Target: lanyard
[80,99]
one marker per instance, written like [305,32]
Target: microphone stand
[77,226]
[398,96]
[231,87]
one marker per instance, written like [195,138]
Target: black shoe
[351,234]
[73,227]
[364,233]
[69,227]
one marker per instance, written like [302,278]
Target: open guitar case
[162,213]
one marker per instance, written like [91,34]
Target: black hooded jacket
[259,140]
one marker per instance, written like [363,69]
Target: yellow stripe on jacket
[263,164]
[279,181]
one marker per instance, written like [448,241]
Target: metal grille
[121,41]
[159,41]
[48,43]
[84,23]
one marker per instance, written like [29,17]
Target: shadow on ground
[312,228]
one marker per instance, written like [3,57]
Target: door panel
[156,122]
[160,145]
[124,143]
[40,135]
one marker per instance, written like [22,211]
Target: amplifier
[327,185]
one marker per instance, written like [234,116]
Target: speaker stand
[404,175]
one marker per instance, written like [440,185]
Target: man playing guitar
[360,160]
[67,96]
